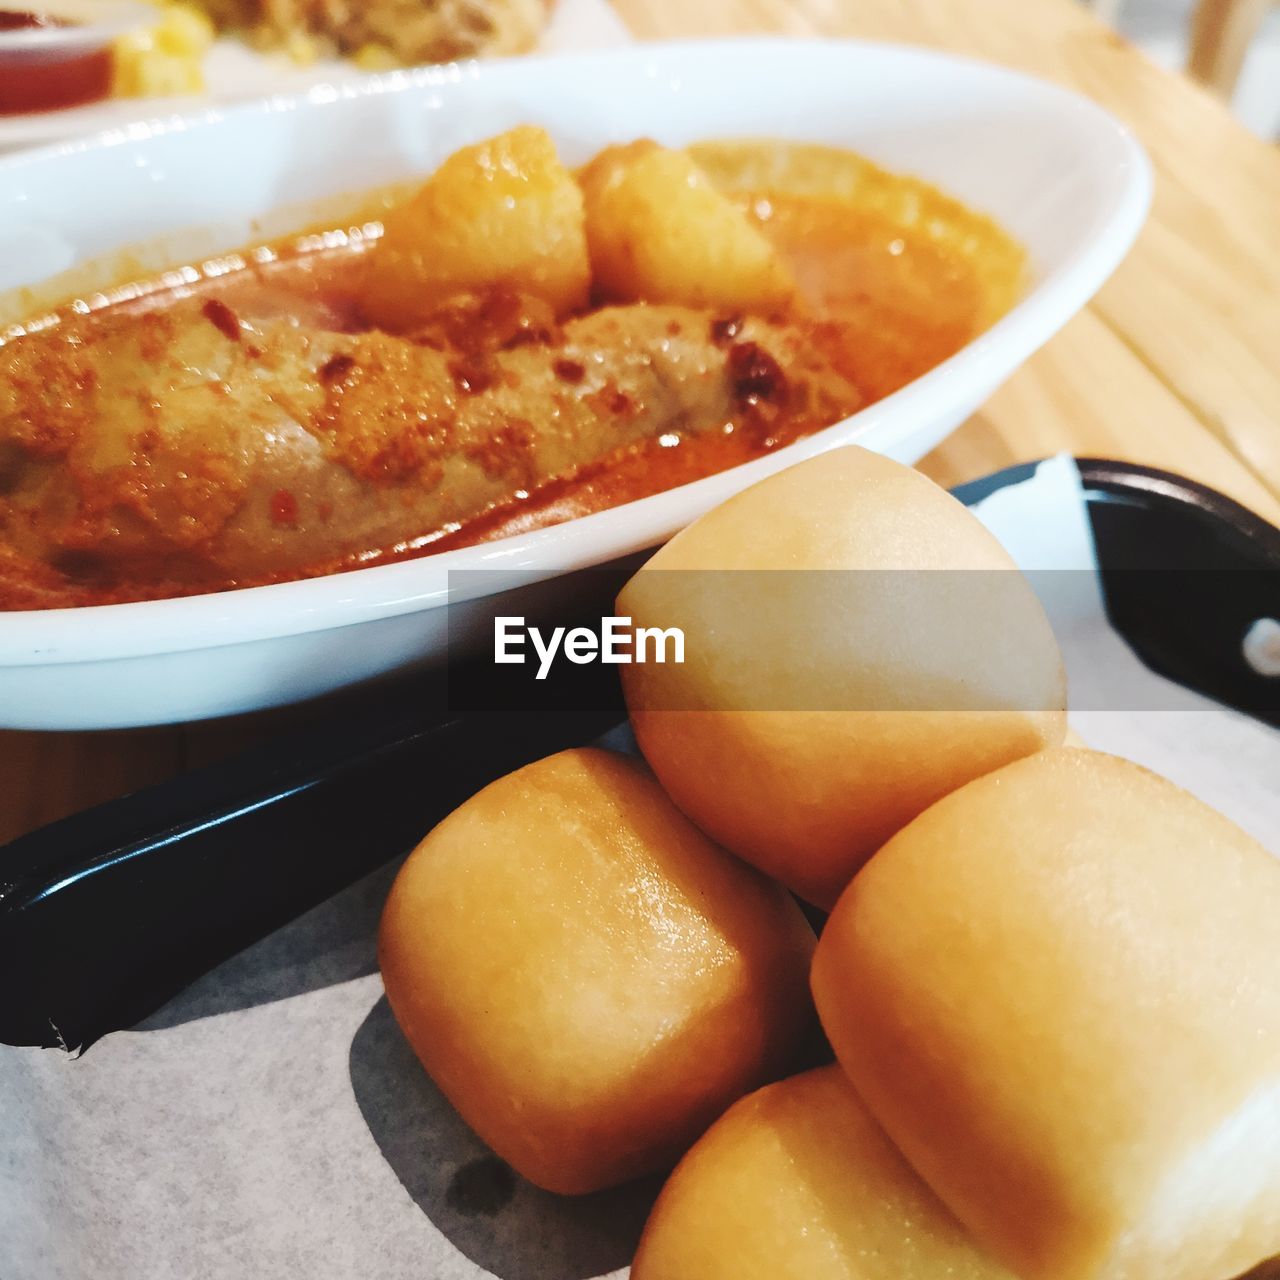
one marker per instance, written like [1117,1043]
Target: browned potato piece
[798,1182]
[820,709]
[587,977]
[1059,992]
[502,212]
[659,231]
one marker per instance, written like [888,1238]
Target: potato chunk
[1059,992]
[660,232]
[858,645]
[502,212]
[797,1182]
[587,978]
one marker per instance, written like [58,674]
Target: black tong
[106,915]
[1185,572]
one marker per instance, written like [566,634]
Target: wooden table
[1176,364]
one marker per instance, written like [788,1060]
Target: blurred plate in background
[235,73]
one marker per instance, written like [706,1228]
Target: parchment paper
[271,1122]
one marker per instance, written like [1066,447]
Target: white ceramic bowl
[1055,170]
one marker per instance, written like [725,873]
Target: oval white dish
[1064,177]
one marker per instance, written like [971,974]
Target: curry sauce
[247,422]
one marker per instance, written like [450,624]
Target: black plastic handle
[1185,572]
[107,914]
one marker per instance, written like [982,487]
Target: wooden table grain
[1176,364]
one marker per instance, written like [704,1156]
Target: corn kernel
[184,30]
[166,60]
[302,49]
[375,57]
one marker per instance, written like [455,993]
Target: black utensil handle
[106,915]
[1185,573]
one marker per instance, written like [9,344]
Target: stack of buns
[1051,979]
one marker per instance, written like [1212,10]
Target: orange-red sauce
[11,20]
[900,298]
[49,81]
[907,303]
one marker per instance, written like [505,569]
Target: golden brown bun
[587,978]
[818,713]
[1059,992]
[797,1182]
